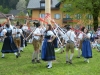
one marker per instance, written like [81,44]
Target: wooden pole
[48,9]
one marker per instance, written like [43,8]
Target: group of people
[14,39]
[46,39]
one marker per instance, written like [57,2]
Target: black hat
[37,24]
[68,27]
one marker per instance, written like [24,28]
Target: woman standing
[48,53]
[86,46]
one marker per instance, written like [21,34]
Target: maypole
[48,10]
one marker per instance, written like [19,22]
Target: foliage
[11,4]
[23,66]
[21,5]
[83,7]
[7,5]
[21,19]
[4,10]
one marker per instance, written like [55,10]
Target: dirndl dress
[55,42]
[86,49]
[9,45]
[23,42]
[48,52]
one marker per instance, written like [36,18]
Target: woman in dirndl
[48,53]
[86,46]
[9,45]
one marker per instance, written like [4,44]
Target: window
[67,16]
[42,4]
[89,16]
[57,16]
[42,15]
[78,16]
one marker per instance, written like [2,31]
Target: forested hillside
[7,5]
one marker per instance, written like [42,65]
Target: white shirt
[70,35]
[37,31]
[61,34]
[11,27]
[80,36]
[42,30]
[88,35]
[17,30]
[3,32]
[50,33]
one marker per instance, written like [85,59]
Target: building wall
[36,14]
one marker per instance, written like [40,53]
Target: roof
[2,15]
[7,15]
[16,12]
[36,4]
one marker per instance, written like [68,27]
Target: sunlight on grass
[23,66]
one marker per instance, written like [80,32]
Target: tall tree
[13,3]
[10,4]
[21,5]
[83,6]
[4,10]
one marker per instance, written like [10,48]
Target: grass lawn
[10,65]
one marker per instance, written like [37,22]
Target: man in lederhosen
[70,38]
[36,43]
[17,40]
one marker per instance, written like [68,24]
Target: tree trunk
[95,21]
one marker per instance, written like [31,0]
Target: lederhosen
[70,44]
[17,39]
[80,44]
[36,43]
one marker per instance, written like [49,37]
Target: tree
[21,5]
[13,3]
[27,1]
[21,16]
[4,10]
[83,6]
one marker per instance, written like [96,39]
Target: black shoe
[38,61]
[33,61]
[47,65]
[61,52]
[2,57]
[67,62]
[78,57]
[70,61]
[21,50]
[16,56]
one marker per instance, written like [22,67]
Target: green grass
[23,66]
